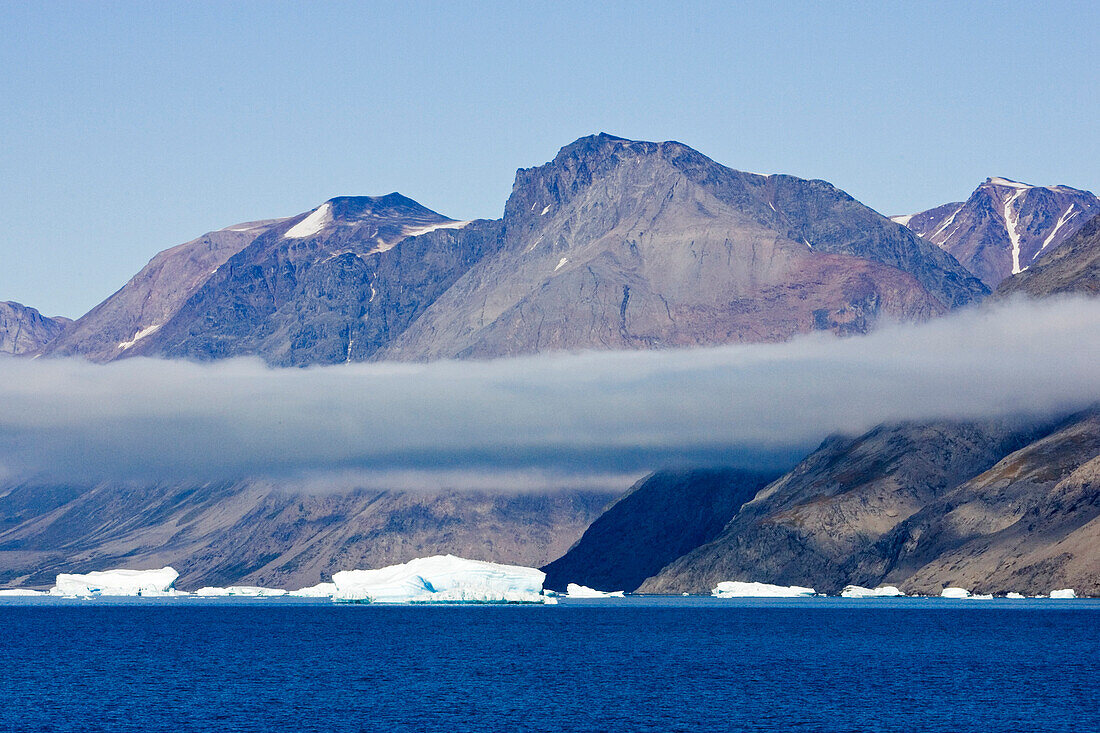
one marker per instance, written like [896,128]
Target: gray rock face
[614,244]
[251,533]
[815,526]
[153,296]
[662,517]
[1031,524]
[624,244]
[1005,226]
[1073,268]
[24,331]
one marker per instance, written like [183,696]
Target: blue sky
[130,127]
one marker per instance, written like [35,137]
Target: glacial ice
[954,593]
[1014,595]
[321,590]
[12,592]
[442,578]
[251,591]
[582,591]
[886,591]
[1063,593]
[737,589]
[116,583]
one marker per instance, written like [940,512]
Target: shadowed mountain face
[613,244]
[808,527]
[1072,268]
[250,533]
[661,518]
[23,330]
[1005,226]
[623,244]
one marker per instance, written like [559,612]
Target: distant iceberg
[1064,593]
[250,591]
[1014,595]
[886,591]
[321,590]
[737,589]
[117,583]
[19,592]
[582,591]
[954,593]
[442,578]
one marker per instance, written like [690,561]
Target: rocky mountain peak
[1005,225]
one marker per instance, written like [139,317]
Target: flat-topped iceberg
[117,583]
[1063,593]
[442,578]
[321,590]
[251,591]
[20,592]
[582,591]
[856,591]
[738,589]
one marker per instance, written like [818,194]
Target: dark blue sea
[630,665]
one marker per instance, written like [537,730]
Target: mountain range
[614,244]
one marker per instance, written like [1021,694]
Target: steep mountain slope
[328,286]
[809,527]
[255,533]
[662,517]
[1031,523]
[625,244]
[153,296]
[1004,226]
[1072,268]
[23,330]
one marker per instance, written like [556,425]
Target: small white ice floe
[321,590]
[583,591]
[19,592]
[117,583]
[886,591]
[442,579]
[250,591]
[738,589]
[1014,595]
[1063,593]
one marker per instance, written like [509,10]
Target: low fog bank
[562,419]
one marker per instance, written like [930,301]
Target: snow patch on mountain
[315,222]
[139,335]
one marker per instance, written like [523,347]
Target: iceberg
[1014,595]
[886,591]
[116,583]
[19,592]
[737,589]
[954,593]
[250,591]
[582,591]
[442,578]
[321,590]
[1064,593]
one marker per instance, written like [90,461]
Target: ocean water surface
[645,664]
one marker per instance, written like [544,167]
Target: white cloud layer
[604,413]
